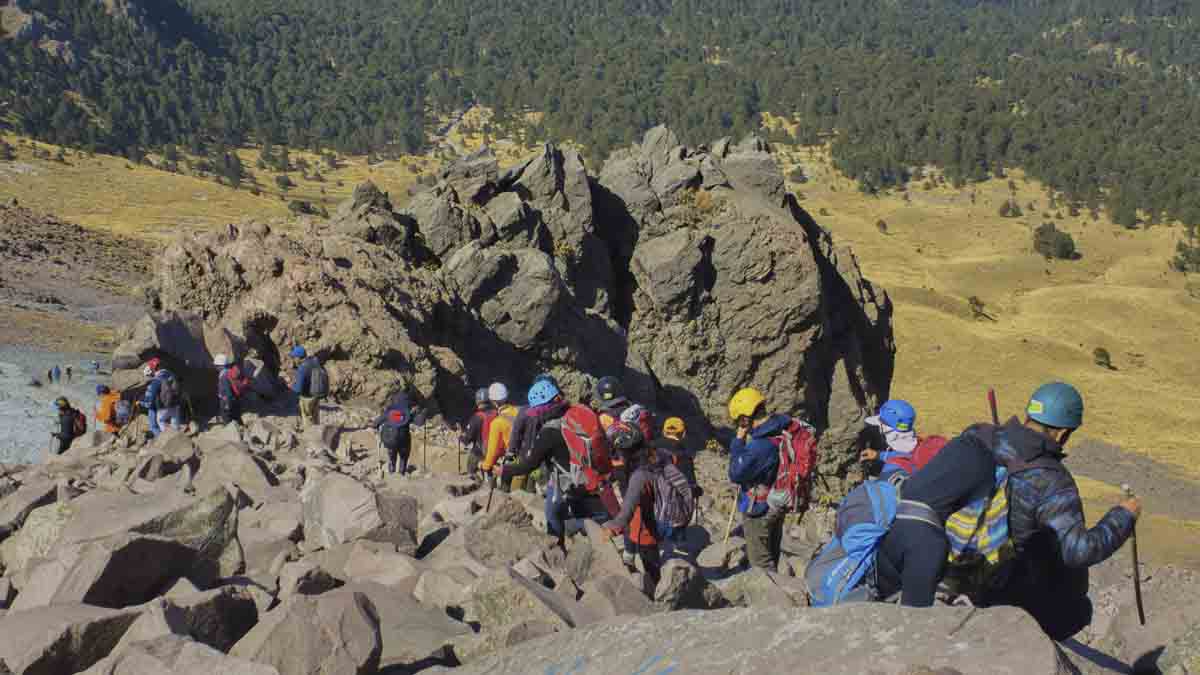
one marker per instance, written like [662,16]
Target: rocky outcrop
[688,271]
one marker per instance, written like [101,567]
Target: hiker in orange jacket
[106,409]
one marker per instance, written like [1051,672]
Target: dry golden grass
[941,249]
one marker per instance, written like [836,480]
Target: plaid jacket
[1045,515]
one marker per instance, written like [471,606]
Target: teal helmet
[1057,405]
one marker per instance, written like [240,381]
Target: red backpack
[927,448]
[588,446]
[78,423]
[487,416]
[797,446]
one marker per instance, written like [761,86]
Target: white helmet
[220,360]
[498,393]
[147,370]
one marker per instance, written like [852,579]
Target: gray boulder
[217,618]
[852,639]
[339,509]
[506,604]
[614,596]
[177,655]
[305,577]
[18,505]
[327,634]
[35,539]
[233,463]
[61,639]
[414,635]
[682,586]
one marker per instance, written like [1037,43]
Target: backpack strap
[918,511]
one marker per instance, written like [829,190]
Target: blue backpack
[843,569]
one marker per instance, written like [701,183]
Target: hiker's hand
[868,455]
[498,470]
[1134,506]
[741,433]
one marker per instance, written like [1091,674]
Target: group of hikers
[992,516]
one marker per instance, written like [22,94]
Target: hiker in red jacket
[474,437]
[232,384]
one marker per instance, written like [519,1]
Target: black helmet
[608,392]
[625,437]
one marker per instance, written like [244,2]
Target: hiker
[528,422]
[55,374]
[162,399]
[499,431]
[1054,547]
[106,409]
[891,438]
[754,466]
[636,518]
[71,425]
[68,374]
[576,491]
[95,367]
[310,383]
[671,446]
[232,384]
[474,437]
[395,433]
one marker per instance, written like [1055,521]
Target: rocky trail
[267,549]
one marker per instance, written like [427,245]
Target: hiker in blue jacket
[1049,577]
[753,463]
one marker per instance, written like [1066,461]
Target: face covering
[900,441]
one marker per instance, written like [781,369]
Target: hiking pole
[425,446]
[992,405]
[491,491]
[1137,571]
[732,510]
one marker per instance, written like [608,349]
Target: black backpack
[318,382]
[168,392]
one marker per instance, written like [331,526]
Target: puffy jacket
[300,382]
[498,435]
[106,412]
[66,425]
[1045,512]
[150,399]
[753,461]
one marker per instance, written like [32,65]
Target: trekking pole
[992,405]
[491,491]
[425,445]
[732,510]
[1137,571]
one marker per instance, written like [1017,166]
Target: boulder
[62,638]
[17,506]
[326,634]
[207,524]
[35,539]
[504,600]
[339,509]
[233,463]
[446,588]
[370,564]
[123,570]
[758,588]
[304,577]
[614,596]
[414,635]
[6,592]
[177,655]
[217,618]
[682,586]
[852,639]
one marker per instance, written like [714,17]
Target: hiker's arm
[1062,512]
[377,422]
[148,399]
[543,449]
[301,376]
[632,497]
[472,431]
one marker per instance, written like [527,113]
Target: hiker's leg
[554,511]
[306,410]
[652,563]
[1059,605]
[775,536]
[914,553]
[152,420]
[164,419]
[392,455]
[175,415]
[757,532]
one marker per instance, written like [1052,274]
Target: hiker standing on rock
[232,384]
[636,519]
[529,421]
[71,424]
[575,492]
[474,437]
[753,464]
[395,433]
[499,431]
[106,409]
[162,399]
[1054,547]
[310,384]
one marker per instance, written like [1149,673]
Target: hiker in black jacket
[1054,546]
[395,434]
[64,434]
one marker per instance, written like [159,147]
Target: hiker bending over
[474,437]
[162,399]
[568,501]
[499,431]
[310,383]
[232,384]
[636,518]
[753,464]
[671,447]
[395,433]
[1054,547]
[107,416]
[891,438]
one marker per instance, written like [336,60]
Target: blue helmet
[896,414]
[299,352]
[543,392]
[545,377]
[1057,405]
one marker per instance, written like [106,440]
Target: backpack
[318,382]
[797,446]
[124,413]
[588,448]
[78,424]
[674,502]
[168,392]
[843,570]
[637,415]
[927,448]
[236,383]
[395,428]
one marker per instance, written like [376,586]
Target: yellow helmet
[745,402]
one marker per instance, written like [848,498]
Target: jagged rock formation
[688,271]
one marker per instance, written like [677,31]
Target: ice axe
[992,405]
[1137,570]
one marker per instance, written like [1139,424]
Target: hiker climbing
[71,424]
[771,459]
[163,398]
[572,446]
[108,417]
[1048,577]
[637,516]
[474,437]
[310,383]
[395,432]
[891,439]
[499,431]
[232,384]
[671,446]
